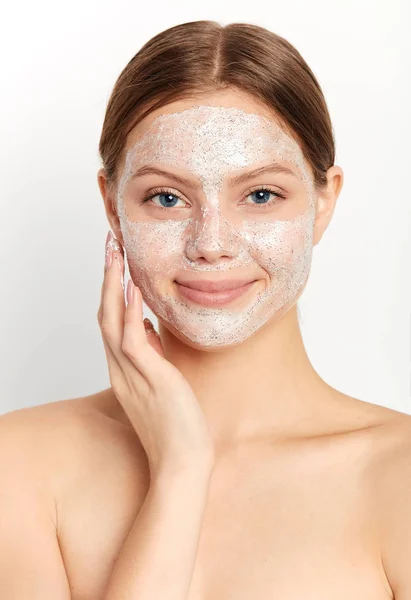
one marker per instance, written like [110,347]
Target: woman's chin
[214,346]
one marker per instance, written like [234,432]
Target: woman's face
[213,227]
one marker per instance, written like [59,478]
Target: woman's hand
[157,399]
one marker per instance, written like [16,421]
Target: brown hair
[203,56]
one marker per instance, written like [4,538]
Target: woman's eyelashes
[263,194]
[164,193]
[260,194]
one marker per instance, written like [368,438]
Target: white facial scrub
[216,227]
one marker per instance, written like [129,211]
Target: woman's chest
[268,532]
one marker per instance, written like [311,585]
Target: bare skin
[298,505]
[287,518]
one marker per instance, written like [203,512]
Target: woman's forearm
[157,559]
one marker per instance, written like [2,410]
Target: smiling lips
[213,293]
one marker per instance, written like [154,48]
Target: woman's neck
[263,388]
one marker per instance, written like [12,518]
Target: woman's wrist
[195,475]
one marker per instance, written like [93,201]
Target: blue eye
[169,200]
[263,196]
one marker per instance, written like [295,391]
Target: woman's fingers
[123,331]
[112,301]
[115,370]
[123,374]
[136,343]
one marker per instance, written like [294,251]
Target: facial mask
[274,245]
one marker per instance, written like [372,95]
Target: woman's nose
[211,238]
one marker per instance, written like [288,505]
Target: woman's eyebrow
[232,181]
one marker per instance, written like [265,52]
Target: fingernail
[130,291]
[120,268]
[114,249]
[109,236]
[108,251]
[148,325]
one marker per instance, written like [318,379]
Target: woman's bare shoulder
[54,437]
[391,487]
[62,413]
[32,423]
[33,426]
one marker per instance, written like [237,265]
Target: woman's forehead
[207,122]
[209,140]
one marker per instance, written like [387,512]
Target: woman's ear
[326,201]
[110,205]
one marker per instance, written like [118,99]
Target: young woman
[219,464]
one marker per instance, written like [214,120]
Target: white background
[59,64]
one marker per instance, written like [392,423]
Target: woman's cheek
[154,259]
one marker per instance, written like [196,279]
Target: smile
[217,298]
